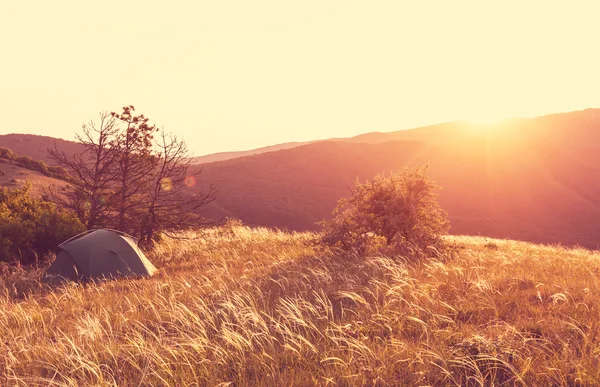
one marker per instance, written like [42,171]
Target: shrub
[26,161]
[57,171]
[40,166]
[30,227]
[34,165]
[398,214]
[6,153]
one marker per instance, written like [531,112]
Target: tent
[100,254]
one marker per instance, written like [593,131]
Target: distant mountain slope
[531,179]
[293,188]
[584,126]
[222,156]
[534,179]
[581,127]
[36,146]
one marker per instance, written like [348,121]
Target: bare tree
[134,166]
[126,180]
[171,205]
[92,170]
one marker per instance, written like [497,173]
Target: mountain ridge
[531,179]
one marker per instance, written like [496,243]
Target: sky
[234,75]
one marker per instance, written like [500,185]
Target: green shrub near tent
[30,228]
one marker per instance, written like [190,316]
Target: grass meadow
[255,307]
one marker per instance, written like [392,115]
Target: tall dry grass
[247,307]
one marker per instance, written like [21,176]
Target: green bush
[395,214]
[40,166]
[6,153]
[57,171]
[34,165]
[26,161]
[30,228]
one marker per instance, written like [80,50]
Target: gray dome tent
[100,254]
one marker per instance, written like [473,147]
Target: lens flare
[166,184]
[190,181]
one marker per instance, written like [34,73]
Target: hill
[579,127]
[529,179]
[36,146]
[295,187]
[222,156]
[14,176]
[534,179]
[584,125]
[251,307]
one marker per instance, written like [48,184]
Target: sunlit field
[246,307]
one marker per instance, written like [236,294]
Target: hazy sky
[232,75]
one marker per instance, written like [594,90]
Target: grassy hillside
[13,175]
[36,146]
[253,307]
